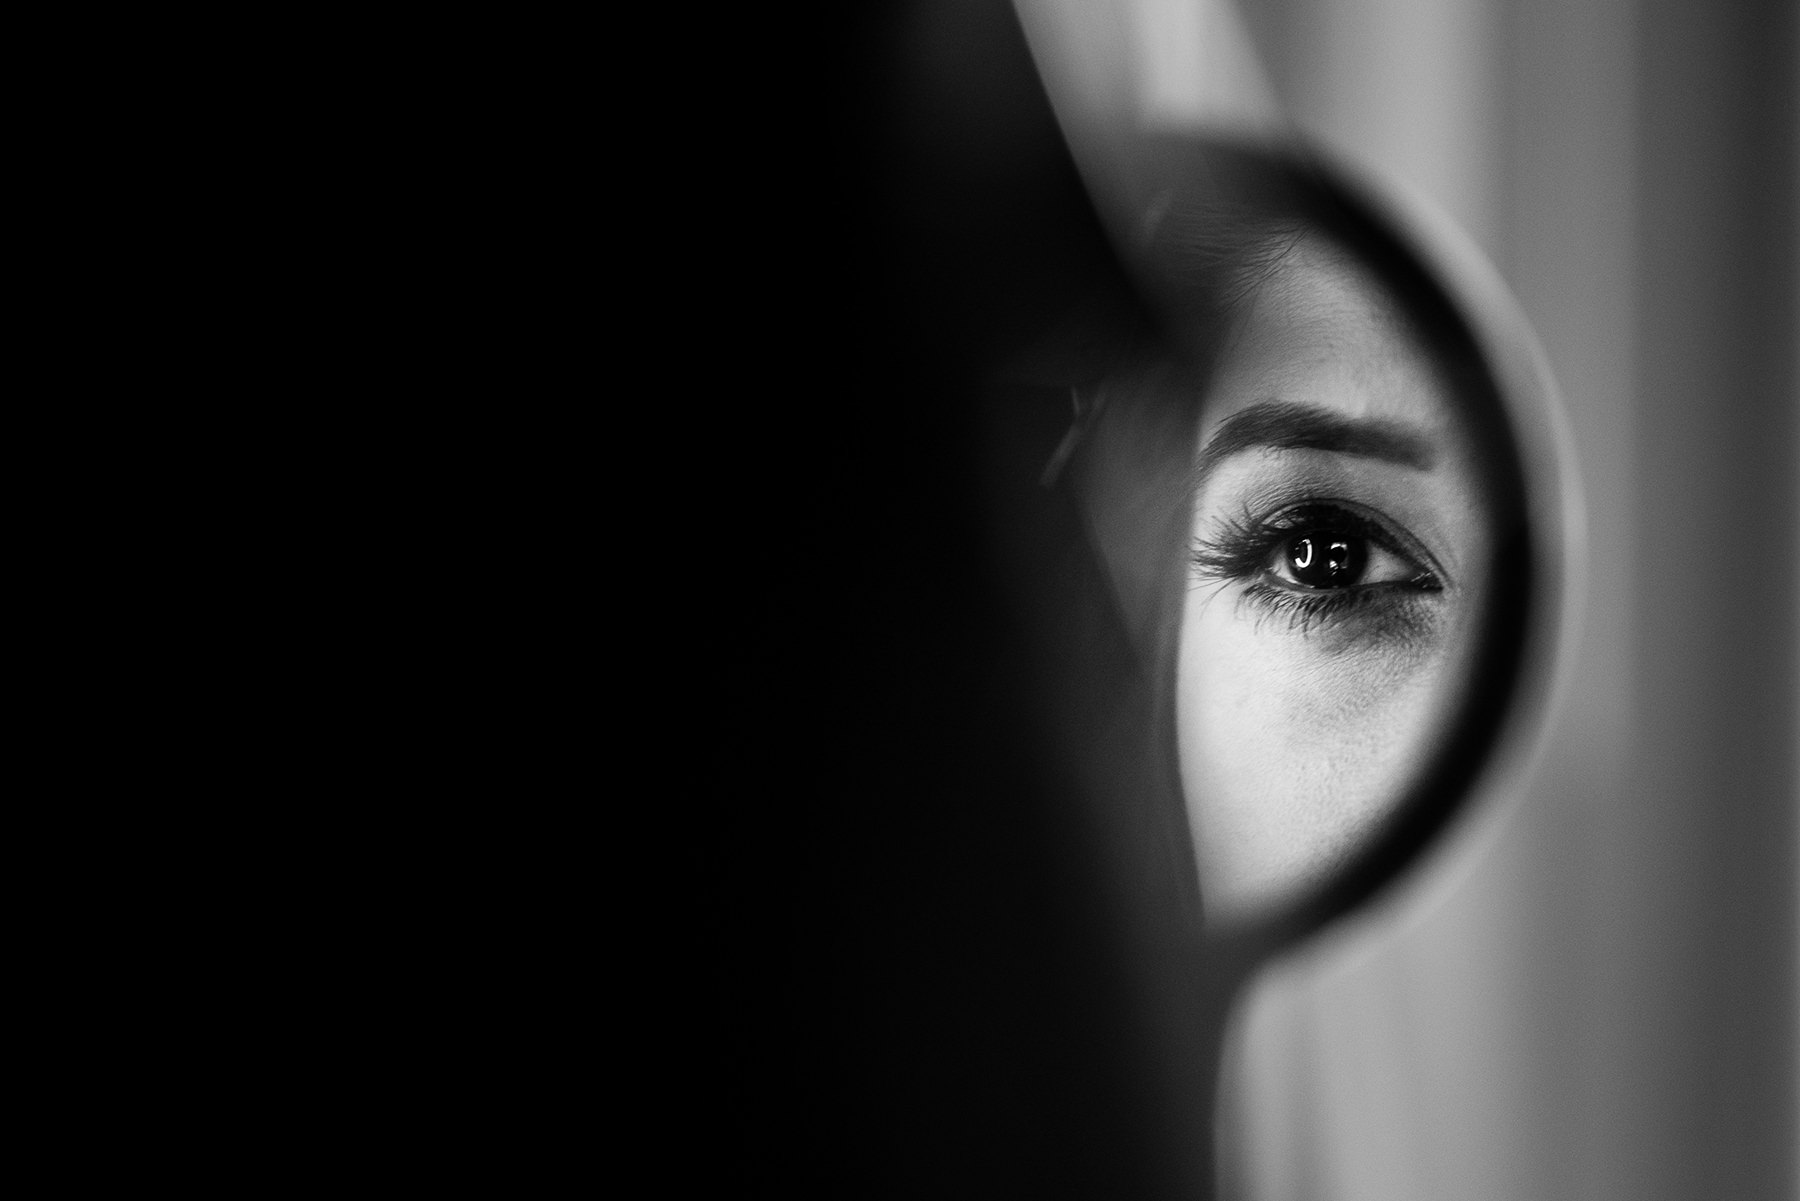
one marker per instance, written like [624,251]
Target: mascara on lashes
[1241,551]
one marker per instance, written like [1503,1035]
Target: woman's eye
[1324,559]
[1316,553]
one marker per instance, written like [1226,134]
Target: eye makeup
[1324,564]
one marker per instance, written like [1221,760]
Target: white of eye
[1321,560]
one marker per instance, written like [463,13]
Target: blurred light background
[1590,991]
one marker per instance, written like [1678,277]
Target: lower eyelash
[1386,610]
[1303,610]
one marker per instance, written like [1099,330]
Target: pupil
[1324,560]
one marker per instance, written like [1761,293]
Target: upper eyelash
[1238,549]
[1240,546]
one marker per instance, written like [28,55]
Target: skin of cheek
[1292,750]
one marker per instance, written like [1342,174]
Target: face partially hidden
[1340,549]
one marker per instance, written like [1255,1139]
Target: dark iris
[1322,559]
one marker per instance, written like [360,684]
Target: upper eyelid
[1375,531]
[1292,518]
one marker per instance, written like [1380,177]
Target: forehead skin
[1320,317]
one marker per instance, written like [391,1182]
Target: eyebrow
[1277,425]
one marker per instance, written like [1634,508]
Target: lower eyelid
[1363,617]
